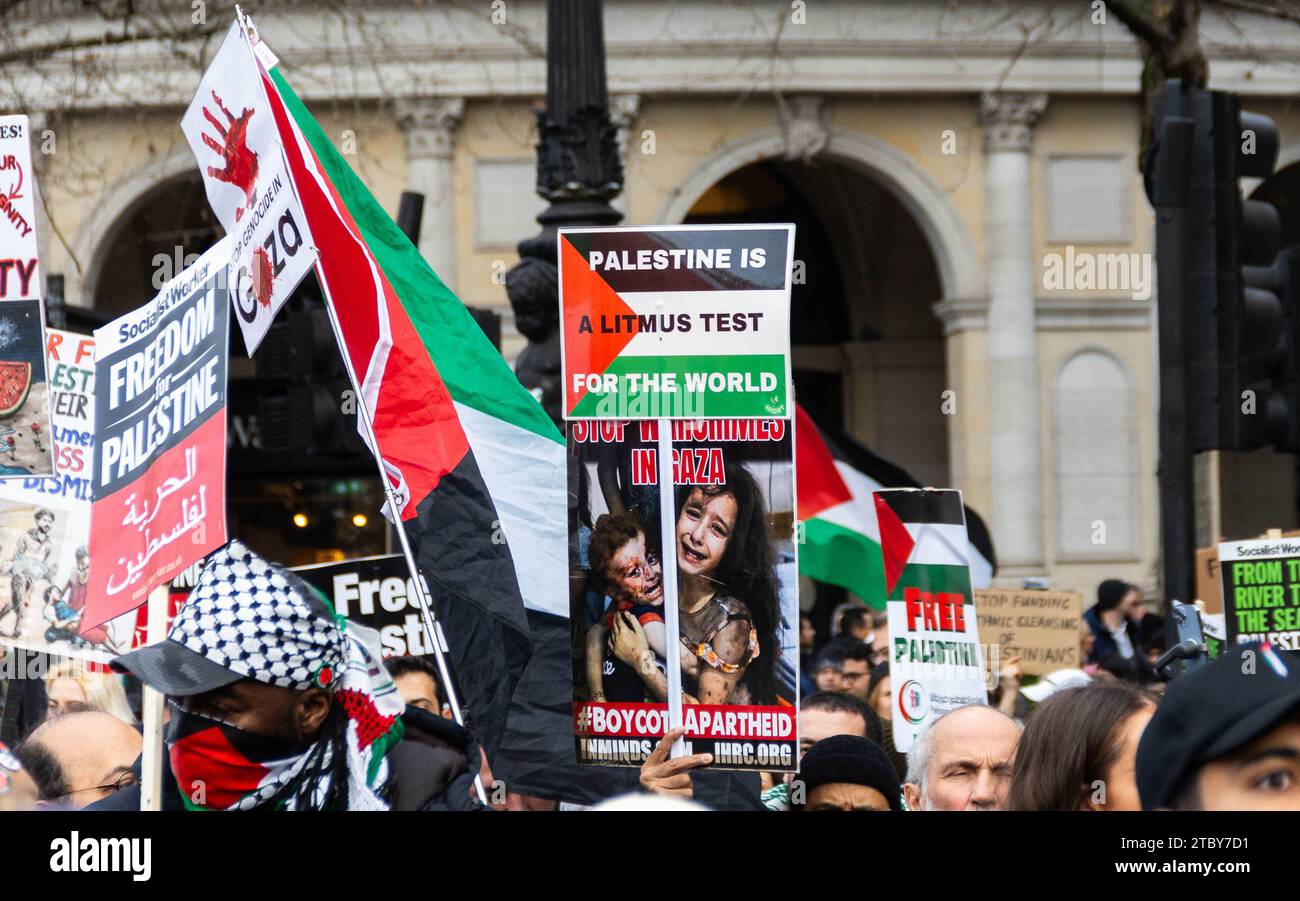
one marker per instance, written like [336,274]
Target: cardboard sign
[738,589]
[20,273]
[1041,627]
[230,128]
[677,322]
[1208,589]
[160,438]
[1261,591]
[376,592]
[936,663]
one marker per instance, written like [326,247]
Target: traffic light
[1240,366]
[1254,365]
[306,403]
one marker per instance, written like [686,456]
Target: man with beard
[31,563]
[278,704]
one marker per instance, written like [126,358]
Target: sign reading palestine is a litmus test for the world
[681,322]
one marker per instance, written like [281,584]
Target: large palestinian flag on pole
[841,541]
[477,465]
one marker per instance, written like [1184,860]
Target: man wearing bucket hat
[279,704]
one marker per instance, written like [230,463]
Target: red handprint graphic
[241,163]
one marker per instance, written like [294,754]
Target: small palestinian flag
[841,541]
[923,532]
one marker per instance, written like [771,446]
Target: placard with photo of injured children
[733,546]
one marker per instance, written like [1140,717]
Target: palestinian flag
[841,543]
[477,465]
[922,532]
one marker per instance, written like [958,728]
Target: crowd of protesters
[268,716]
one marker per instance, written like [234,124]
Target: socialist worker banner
[159,479]
[680,322]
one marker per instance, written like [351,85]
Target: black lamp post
[578,170]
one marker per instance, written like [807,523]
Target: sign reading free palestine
[676,322]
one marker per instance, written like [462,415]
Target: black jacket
[429,770]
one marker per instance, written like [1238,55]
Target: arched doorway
[293,508]
[868,350]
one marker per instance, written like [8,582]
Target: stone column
[429,125]
[623,112]
[1015,464]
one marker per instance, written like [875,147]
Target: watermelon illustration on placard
[15,384]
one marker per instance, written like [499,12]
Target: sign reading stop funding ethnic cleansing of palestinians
[376,592]
[1040,627]
[160,437]
[679,322]
[230,128]
[734,528]
[1261,591]
[936,663]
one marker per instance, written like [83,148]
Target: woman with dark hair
[727,597]
[1079,749]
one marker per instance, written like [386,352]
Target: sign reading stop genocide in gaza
[677,322]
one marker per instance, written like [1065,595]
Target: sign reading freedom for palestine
[679,322]
[159,474]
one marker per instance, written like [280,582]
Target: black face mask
[217,765]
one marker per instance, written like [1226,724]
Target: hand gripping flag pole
[431,628]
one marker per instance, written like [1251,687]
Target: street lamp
[579,171]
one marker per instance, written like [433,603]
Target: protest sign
[230,128]
[24,410]
[20,274]
[376,592]
[45,525]
[679,321]
[1261,591]
[24,391]
[936,663]
[1208,589]
[734,555]
[159,477]
[1040,627]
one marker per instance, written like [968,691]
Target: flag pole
[668,561]
[152,707]
[431,628]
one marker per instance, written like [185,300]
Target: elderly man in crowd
[962,761]
[79,758]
